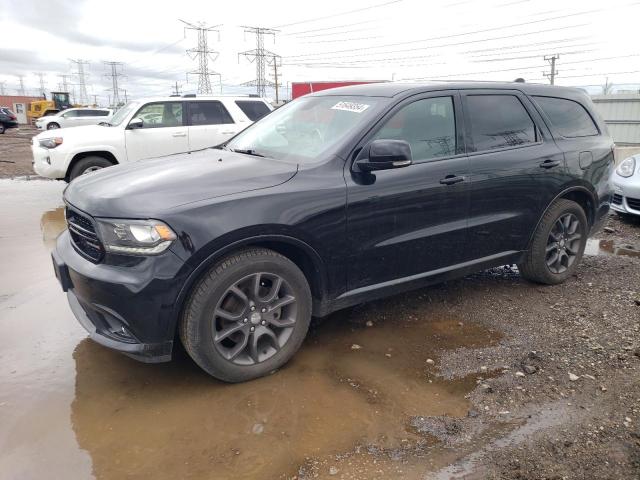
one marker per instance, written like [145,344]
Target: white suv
[74,117]
[144,129]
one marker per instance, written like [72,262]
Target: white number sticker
[350,107]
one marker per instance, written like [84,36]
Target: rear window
[569,118]
[253,109]
[499,121]
[208,113]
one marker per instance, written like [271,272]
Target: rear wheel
[247,316]
[87,165]
[2,128]
[52,126]
[558,244]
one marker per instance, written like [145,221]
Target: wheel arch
[97,153]
[577,193]
[305,257]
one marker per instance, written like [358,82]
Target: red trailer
[299,89]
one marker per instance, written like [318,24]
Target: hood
[84,132]
[147,188]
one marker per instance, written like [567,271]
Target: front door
[515,170]
[163,132]
[210,124]
[20,109]
[408,221]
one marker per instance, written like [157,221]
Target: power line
[262,57]
[203,54]
[114,75]
[339,14]
[82,81]
[331,28]
[336,33]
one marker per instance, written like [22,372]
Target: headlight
[135,237]
[51,142]
[627,167]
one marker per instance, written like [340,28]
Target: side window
[428,125]
[569,118]
[70,114]
[161,114]
[253,109]
[208,113]
[499,121]
[84,113]
[96,113]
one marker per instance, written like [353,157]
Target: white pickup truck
[144,129]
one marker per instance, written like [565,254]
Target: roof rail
[189,95]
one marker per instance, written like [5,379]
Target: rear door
[407,221]
[163,131]
[210,124]
[515,171]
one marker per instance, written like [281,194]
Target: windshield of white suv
[304,129]
[123,113]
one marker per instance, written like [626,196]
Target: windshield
[123,113]
[304,129]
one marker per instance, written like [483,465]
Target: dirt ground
[15,152]
[484,377]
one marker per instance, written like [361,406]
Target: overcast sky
[320,40]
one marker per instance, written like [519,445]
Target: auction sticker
[350,107]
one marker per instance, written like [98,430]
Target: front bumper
[129,308]
[626,194]
[46,163]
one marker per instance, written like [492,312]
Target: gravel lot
[484,377]
[15,152]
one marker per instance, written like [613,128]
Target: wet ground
[421,385]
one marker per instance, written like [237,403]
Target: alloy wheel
[254,318]
[563,244]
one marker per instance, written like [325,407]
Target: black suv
[8,119]
[334,199]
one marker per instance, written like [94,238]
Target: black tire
[52,126]
[535,267]
[88,164]
[2,129]
[200,323]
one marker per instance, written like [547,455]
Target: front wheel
[558,244]
[52,126]
[88,165]
[247,316]
[2,129]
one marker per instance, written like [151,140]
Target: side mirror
[386,154]
[135,123]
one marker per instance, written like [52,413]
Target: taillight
[12,117]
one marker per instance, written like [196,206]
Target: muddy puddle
[609,247]
[72,409]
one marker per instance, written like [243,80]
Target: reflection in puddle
[52,224]
[609,247]
[172,420]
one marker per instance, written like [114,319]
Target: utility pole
[43,91]
[176,90]
[261,56]
[83,98]
[21,89]
[276,79]
[126,100]
[95,100]
[114,75]
[203,53]
[552,61]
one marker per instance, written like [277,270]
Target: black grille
[617,199]
[83,234]
[633,203]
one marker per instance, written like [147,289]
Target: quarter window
[428,125]
[253,109]
[208,113]
[569,118]
[499,121]
[161,114]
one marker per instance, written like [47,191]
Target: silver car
[626,186]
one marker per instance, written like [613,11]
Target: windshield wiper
[247,151]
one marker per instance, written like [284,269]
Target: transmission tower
[114,75]
[21,89]
[203,54]
[83,98]
[552,61]
[2,84]
[64,85]
[261,57]
[43,90]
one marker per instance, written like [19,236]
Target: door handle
[228,133]
[451,179]
[180,134]
[549,163]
